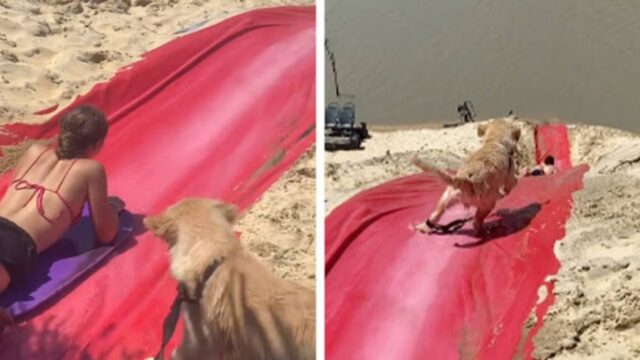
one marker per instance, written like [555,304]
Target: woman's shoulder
[36,149]
[30,155]
[90,167]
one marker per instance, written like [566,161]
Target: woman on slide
[48,191]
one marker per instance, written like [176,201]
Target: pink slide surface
[219,113]
[392,293]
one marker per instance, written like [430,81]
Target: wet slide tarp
[222,113]
[392,293]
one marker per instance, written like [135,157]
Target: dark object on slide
[340,128]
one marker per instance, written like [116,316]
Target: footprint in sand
[32,52]
[100,56]
[9,56]
[264,249]
[53,77]
[4,39]
[41,29]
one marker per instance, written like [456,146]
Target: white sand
[53,50]
[597,308]
[280,228]
[596,314]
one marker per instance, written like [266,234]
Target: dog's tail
[446,177]
[458,183]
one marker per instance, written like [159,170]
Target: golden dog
[486,175]
[242,310]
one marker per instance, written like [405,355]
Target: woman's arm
[104,213]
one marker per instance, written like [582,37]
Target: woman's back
[48,191]
[46,194]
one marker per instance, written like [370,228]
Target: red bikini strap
[65,176]
[33,163]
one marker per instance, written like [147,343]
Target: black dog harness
[171,320]
[448,228]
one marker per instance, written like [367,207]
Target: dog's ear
[229,211]
[515,134]
[481,130]
[163,227]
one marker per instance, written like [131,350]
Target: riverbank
[597,290]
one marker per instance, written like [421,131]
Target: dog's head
[191,219]
[499,130]
[198,232]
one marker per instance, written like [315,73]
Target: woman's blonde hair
[80,129]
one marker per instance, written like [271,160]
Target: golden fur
[487,175]
[244,312]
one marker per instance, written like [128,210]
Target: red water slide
[219,113]
[392,293]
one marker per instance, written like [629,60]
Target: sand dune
[596,314]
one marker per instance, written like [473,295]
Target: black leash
[448,228]
[171,320]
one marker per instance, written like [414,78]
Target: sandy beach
[280,228]
[596,314]
[54,50]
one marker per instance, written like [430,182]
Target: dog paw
[422,228]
